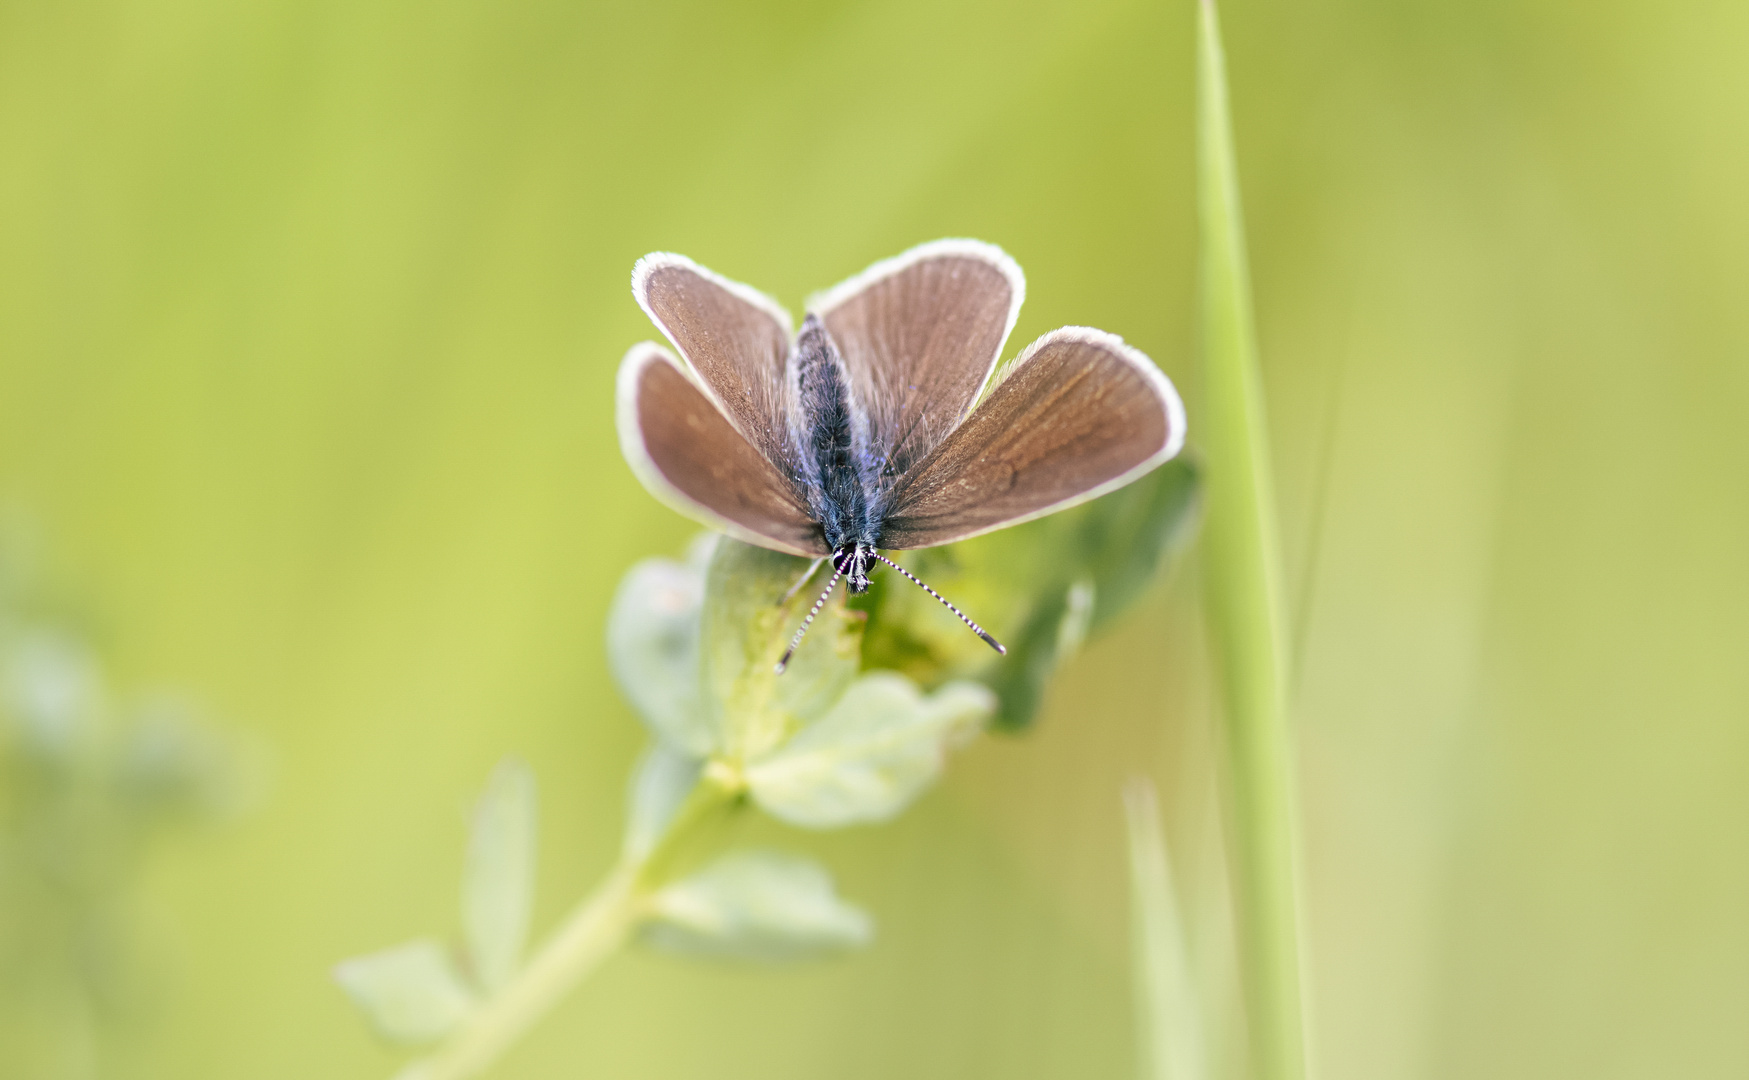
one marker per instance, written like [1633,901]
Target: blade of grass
[1169,1023]
[1243,589]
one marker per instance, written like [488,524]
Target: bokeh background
[309,313]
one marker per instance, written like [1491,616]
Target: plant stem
[1243,595]
[590,934]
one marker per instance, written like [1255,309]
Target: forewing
[689,456]
[734,338]
[1078,415]
[920,334]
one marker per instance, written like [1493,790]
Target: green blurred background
[309,314]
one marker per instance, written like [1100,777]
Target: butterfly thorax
[839,470]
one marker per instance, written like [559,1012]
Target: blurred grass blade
[1242,576]
[1168,1019]
[498,884]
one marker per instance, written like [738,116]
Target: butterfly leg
[803,580]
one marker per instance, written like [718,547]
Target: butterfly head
[854,561]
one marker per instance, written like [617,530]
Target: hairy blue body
[840,470]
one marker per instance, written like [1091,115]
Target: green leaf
[662,780]
[756,905]
[1053,631]
[652,646]
[1030,586]
[878,748]
[747,626]
[411,993]
[498,883]
[1123,538]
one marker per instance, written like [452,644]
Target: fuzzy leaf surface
[871,755]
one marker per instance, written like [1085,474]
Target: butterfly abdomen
[832,436]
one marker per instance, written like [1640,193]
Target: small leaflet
[757,905]
[411,993]
[498,882]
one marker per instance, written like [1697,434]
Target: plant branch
[594,930]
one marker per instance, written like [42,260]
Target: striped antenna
[809,621]
[976,629]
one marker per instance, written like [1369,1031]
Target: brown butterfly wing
[920,334]
[1079,414]
[734,338]
[691,457]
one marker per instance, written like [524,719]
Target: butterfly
[881,424]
